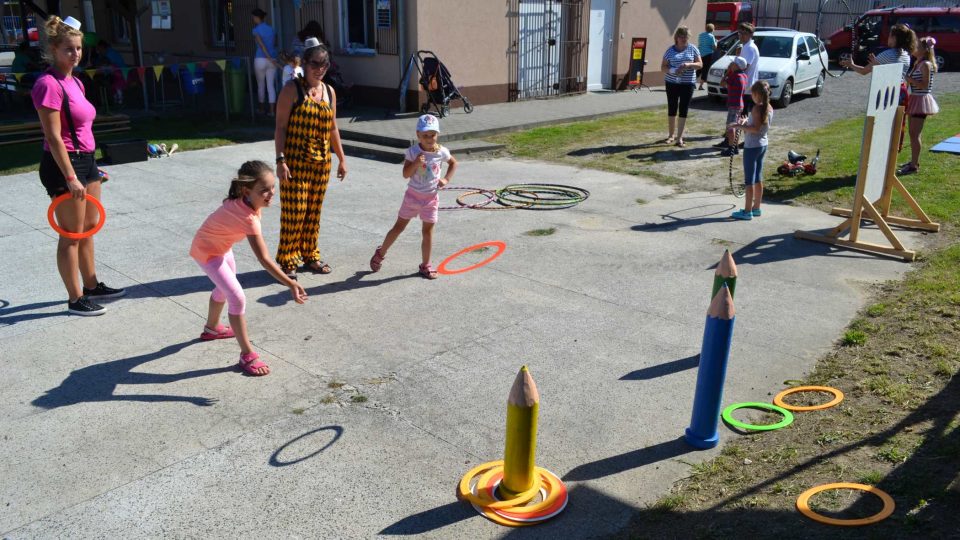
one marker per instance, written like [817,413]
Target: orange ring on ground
[72,235]
[804,507]
[838,397]
[553,503]
[442,269]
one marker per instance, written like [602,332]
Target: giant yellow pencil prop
[514,491]
[523,405]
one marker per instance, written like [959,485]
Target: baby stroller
[437,83]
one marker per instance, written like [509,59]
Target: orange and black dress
[307,152]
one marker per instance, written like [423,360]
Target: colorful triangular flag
[222,64]
[191,68]
[157,71]
[140,71]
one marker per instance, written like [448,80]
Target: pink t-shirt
[222,229]
[47,93]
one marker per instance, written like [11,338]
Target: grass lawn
[190,132]
[897,363]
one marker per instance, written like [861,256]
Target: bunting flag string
[190,67]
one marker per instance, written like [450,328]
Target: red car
[726,16]
[873,27]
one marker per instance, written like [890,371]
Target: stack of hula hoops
[519,197]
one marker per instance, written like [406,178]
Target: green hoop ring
[730,420]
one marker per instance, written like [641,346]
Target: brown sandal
[318,267]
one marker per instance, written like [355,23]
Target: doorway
[599,61]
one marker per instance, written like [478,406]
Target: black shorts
[84,166]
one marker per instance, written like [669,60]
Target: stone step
[393,154]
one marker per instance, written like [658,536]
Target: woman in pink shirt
[68,163]
[212,248]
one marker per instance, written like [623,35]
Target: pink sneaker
[220,332]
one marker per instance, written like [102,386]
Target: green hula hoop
[514,195]
[729,419]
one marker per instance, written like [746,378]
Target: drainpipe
[88,15]
[401,50]
[136,17]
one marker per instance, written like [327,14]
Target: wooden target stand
[877,211]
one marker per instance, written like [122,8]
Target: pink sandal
[251,365]
[427,271]
[377,260]
[220,332]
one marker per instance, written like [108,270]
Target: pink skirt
[922,104]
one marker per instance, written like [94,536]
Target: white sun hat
[72,23]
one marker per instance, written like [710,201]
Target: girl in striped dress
[306,132]
[921,103]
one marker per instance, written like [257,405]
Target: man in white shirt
[751,54]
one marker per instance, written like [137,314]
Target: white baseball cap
[428,122]
[741,62]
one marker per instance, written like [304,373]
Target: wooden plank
[912,202]
[906,223]
[858,198]
[869,247]
[891,170]
[882,225]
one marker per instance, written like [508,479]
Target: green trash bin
[237,88]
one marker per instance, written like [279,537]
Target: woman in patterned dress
[305,134]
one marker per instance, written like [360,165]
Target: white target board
[882,103]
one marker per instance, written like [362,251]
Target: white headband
[72,23]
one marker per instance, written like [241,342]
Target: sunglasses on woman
[318,65]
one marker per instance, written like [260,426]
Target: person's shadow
[97,382]
[353,282]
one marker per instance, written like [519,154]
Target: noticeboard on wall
[384,18]
[638,54]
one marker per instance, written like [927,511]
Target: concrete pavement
[127,426]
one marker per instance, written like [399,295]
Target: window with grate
[369,26]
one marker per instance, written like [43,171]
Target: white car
[790,62]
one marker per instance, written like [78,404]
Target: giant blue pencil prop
[714,353]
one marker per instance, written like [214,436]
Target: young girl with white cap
[423,166]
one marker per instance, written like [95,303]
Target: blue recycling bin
[192,84]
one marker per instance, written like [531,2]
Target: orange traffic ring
[442,269]
[804,507]
[479,488]
[73,235]
[837,398]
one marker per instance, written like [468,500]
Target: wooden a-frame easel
[876,211]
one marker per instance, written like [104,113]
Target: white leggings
[266,72]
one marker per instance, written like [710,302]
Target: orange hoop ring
[804,507]
[442,269]
[72,235]
[838,397]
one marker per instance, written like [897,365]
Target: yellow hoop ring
[73,235]
[804,507]
[465,493]
[838,397]
[555,500]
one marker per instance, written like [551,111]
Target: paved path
[518,115]
[126,426]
